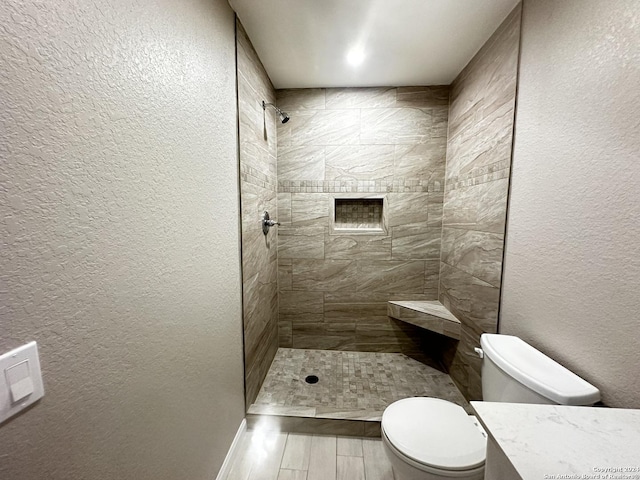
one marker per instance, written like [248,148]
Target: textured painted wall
[477,181]
[572,274]
[119,246]
[383,142]
[258,192]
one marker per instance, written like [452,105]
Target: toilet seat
[434,433]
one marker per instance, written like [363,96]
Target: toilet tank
[513,371]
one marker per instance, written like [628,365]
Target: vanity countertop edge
[563,442]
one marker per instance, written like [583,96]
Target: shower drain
[311,379]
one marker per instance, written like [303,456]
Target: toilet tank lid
[538,372]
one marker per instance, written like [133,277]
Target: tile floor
[289,456]
[353,385]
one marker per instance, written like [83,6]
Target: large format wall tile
[301,99]
[284,209]
[258,166]
[257,126]
[353,143]
[373,247]
[301,306]
[337,98]
[435,209]
[407,208]
[250,66]
[324,276]
[323,341]
[297,162]
[481,207]
[359,162]
[396,126]
[261,273]
[257,366]
[390,276]
[301,242]
[466,365]
[425,161]
[423,97]
[323,127]
[360,297]
[431,279]
[355,312]
[481,116]
[285,274]
[488,81]
[477,253]
[415,242]
[471,150]
[261,300]
[310,209]
[470,299]
[257,250]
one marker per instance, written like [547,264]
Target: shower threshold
[350,394]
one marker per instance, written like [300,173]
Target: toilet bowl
[432,439]
[429,438]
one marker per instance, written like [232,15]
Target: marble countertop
[554,442]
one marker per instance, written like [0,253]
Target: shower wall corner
[258,193]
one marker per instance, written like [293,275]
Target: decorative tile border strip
[255,177]
[477,176]
[357,186]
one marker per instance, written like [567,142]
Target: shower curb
[310,425]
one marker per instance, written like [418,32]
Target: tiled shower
[378,147]
[392,193]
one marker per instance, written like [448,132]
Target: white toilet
[432,439]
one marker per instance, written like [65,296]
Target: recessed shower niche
[358,215]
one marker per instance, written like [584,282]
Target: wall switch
[21,380]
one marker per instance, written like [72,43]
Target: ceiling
[358,43]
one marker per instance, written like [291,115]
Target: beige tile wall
[349,143]
[257,137]
[481,119]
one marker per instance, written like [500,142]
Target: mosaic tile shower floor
[352,385]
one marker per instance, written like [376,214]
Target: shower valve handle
[267,223]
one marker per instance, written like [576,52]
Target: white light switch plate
[20,380]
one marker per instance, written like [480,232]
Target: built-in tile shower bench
[430,315]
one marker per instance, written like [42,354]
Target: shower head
[284,117]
